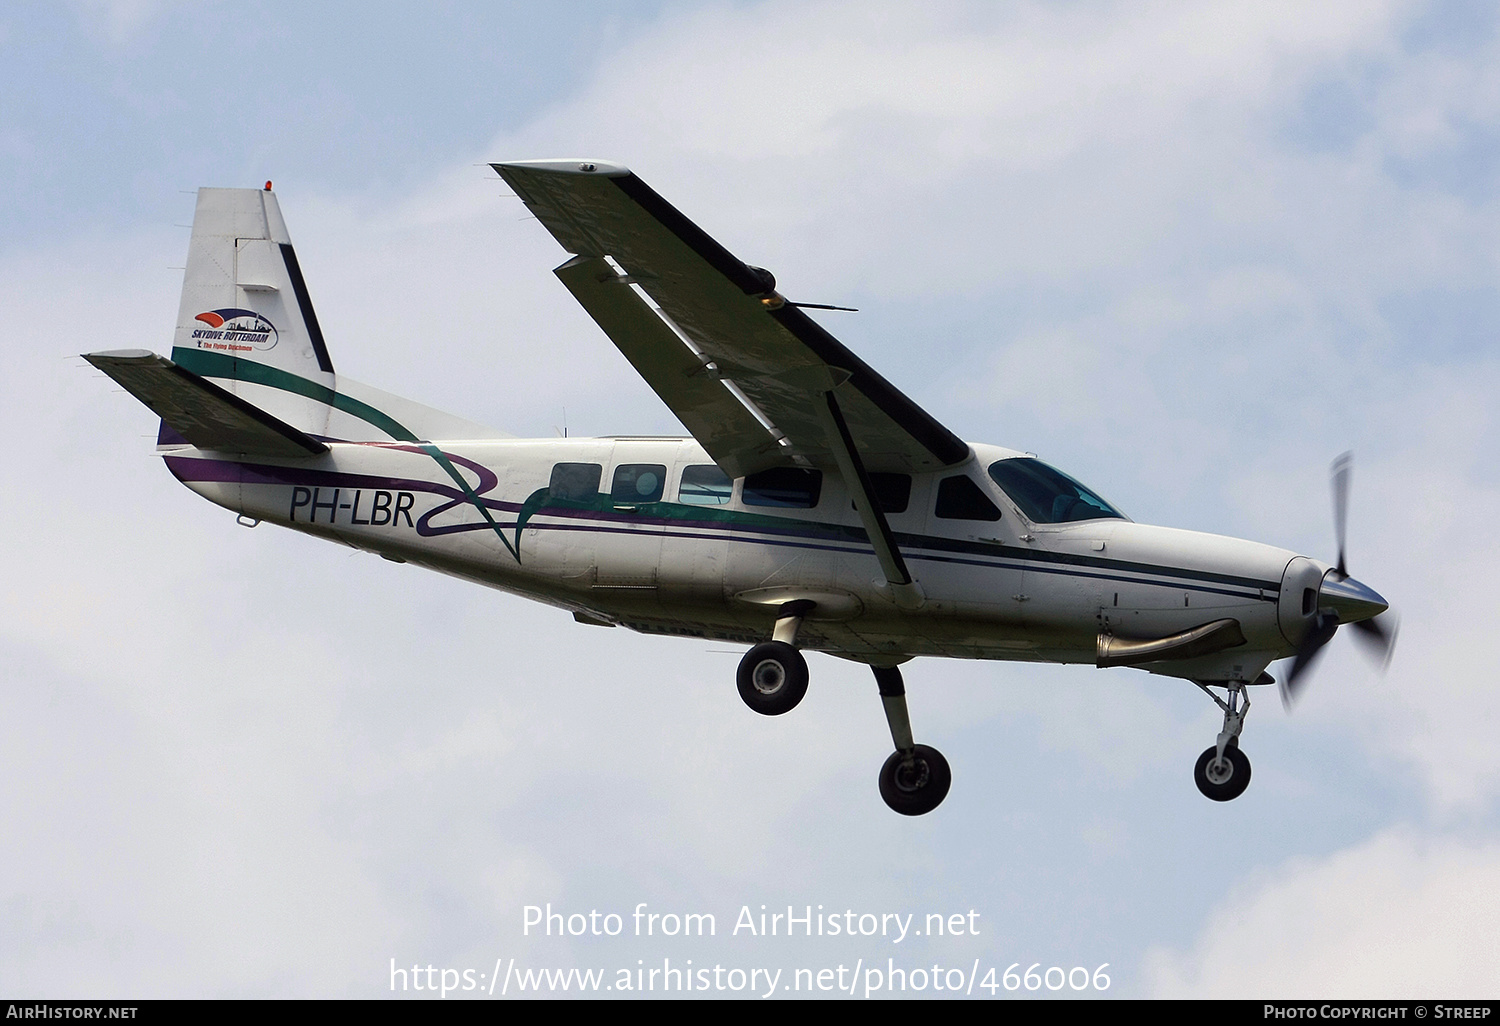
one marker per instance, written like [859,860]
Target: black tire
[1225,782]
[772,678]
[918,788]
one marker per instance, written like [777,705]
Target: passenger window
[790,487]
[959,498]
[638,482]
[704,486]
[892,492]
[575,482]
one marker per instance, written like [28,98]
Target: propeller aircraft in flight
[815,506]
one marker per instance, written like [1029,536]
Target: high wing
[721,328]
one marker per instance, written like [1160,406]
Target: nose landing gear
[1223,771]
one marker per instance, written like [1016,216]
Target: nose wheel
[1222,778]
[1223,771]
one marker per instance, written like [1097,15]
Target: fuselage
[646,533]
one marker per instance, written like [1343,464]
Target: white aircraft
[815,507]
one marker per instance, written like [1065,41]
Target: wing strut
[905,591]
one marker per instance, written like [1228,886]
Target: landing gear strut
[1223,771]
[916,778]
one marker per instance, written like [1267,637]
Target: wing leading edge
[722,327]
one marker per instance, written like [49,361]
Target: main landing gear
[773,675]
[1223,771]
[915,779]
[772,679]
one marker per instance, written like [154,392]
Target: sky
[1187,252]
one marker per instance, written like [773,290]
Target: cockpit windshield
[1047,495]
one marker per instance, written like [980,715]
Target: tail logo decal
[232,330]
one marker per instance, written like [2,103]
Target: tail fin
[246,327]
[246,319]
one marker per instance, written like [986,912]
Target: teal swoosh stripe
[218,365]
[442,460]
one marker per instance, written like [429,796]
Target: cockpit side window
[1046,495]
[959,498]
[892,492]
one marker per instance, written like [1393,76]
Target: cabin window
[704,486]
[892,492]
[1047,495]
[638,482]
[790,487]
[959,498]
[575,482]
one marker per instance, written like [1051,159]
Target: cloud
[1398,916]
[118,22]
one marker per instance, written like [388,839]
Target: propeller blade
[1378,637]
[1341,595]
[1342,469]
[1321,634]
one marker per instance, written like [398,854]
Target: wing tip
[566,166]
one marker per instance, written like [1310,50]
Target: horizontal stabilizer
[1197,641]
[200,411]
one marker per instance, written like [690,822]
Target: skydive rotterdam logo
[234,331]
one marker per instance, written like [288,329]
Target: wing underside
[747,373]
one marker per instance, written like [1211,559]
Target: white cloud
[1395,917]
[119,21]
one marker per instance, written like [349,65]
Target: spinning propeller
[1342,600]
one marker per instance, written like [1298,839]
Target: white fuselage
[720,568]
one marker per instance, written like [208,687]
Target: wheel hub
[1219,771]
[769,676]
[913,776]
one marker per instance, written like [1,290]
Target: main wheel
[1222,780]
[918,787]
[772,678]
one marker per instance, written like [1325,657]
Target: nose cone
[1350,600]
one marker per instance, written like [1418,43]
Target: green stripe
[218,365]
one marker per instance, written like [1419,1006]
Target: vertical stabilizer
[246,320]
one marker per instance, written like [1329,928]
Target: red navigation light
[268,186]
